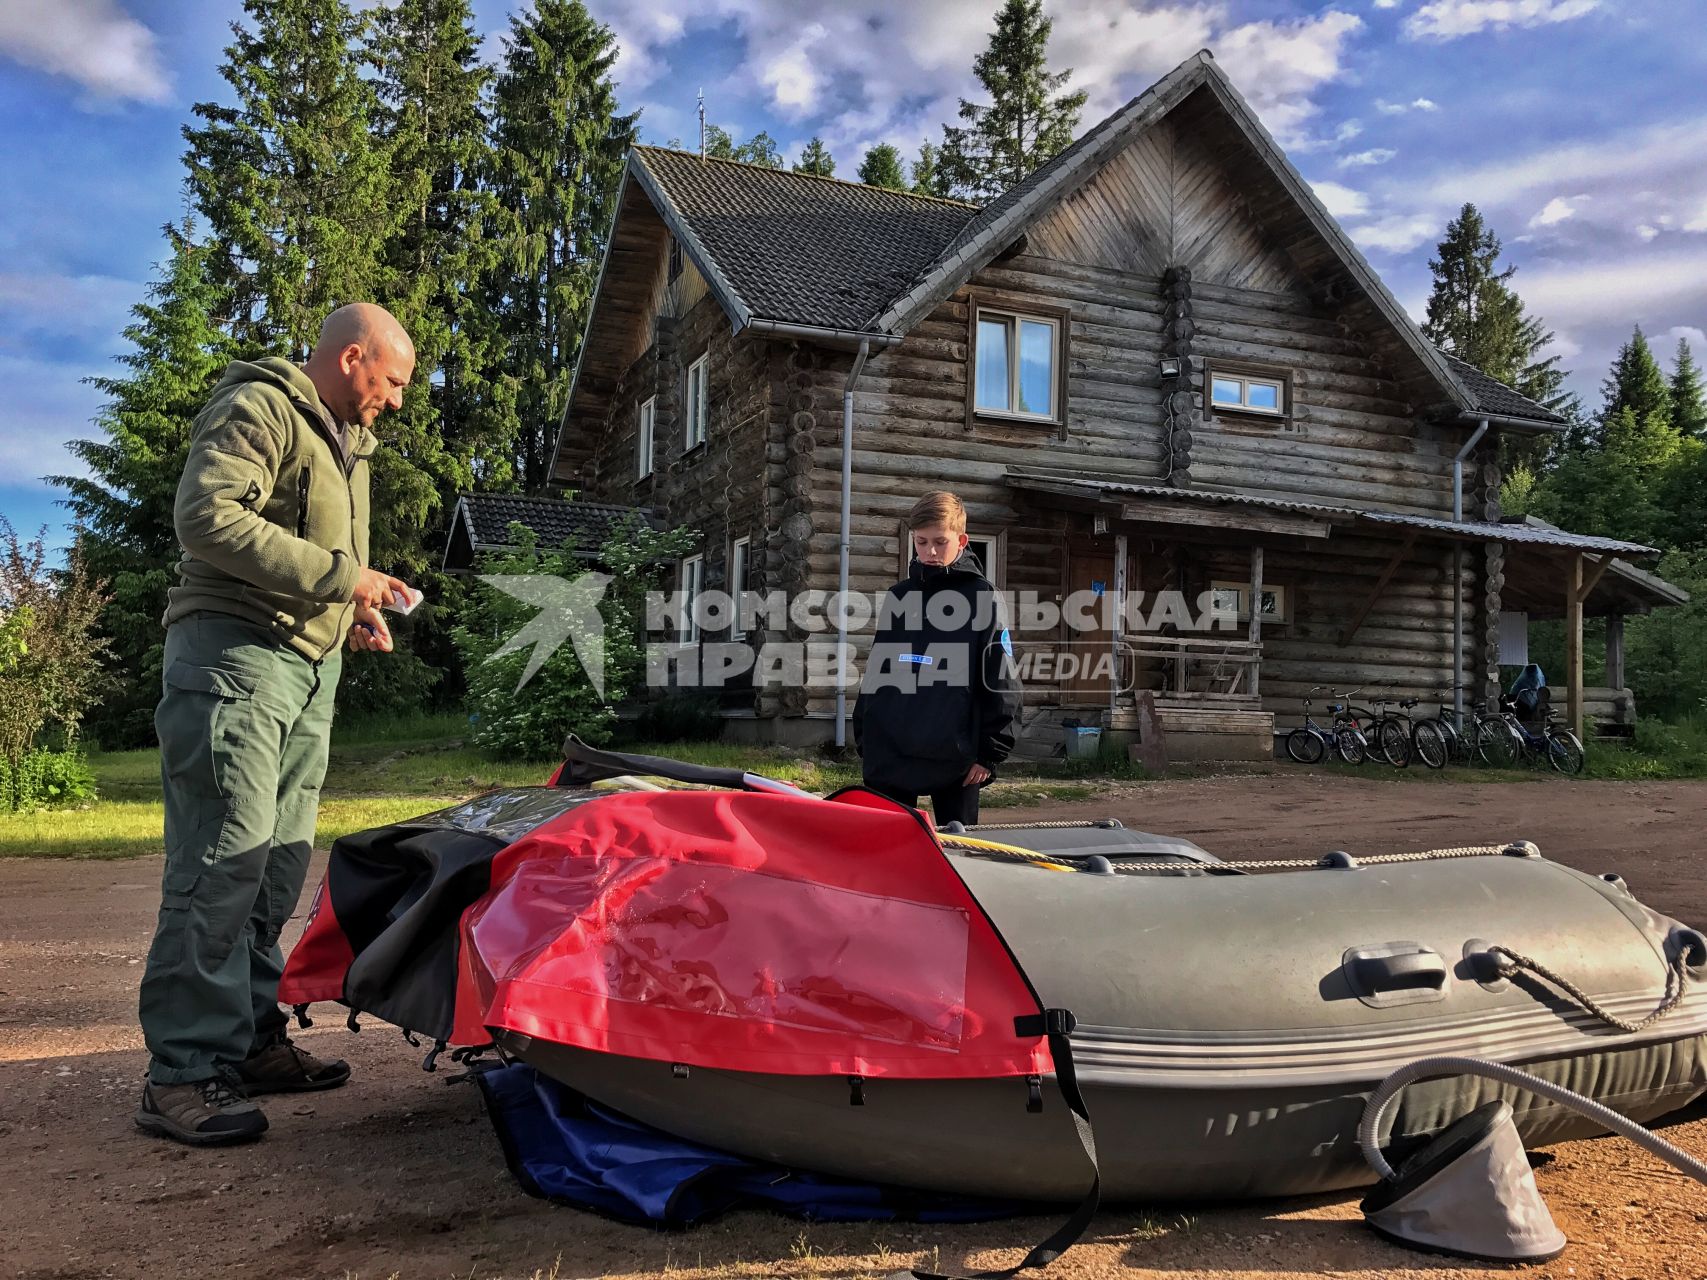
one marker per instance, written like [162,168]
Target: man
[272,513]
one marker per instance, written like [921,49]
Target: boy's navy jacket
[939,694]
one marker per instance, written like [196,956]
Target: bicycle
[1466,738]
[1392,731]
[1349,739]
[1562,748]
[1310,742]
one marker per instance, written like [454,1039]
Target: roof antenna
[702,124]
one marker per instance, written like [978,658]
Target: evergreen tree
[125,503]
[430,82]
[1688,405]
[292,180]
[1474,313]
[882,168]
[559,148]
[760,149]
[1636,383]
[1028,119]
[929,177]
[1622,488]
[816,160]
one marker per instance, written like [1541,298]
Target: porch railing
[1193,669]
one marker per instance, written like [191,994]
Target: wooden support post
[1615,651]
[1380,586]
[1256,610]
[1574,641]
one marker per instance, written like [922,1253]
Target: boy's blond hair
[939,506]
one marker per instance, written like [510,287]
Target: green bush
[45,780]
[678,716]
[530,722]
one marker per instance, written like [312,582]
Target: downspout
[1458,566]
[847,523]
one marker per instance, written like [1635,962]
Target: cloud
[1400,108]
[1628,286]
[1695,337]
[1555,211]
[1396,233]
[1645,232]
[93,42]
[1387,4]
[1450,19]
[1364,159]
[46,405]
[1341,202]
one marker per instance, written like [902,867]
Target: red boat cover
[745,931]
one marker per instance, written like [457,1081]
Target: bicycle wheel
[1564,751]
[1394,742]
[1498,745]
[1305,747]
[1429,741]
[1350,744]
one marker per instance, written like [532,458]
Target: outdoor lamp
[1170,367]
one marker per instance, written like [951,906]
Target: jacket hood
[966,568]
[290,379]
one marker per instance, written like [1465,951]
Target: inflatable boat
[832,984]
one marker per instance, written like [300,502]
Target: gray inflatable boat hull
[1230,1029]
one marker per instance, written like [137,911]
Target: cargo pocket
[200,726]
[177,898]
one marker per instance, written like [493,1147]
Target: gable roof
[793,247]
[482,523]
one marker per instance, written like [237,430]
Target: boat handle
[1406,972]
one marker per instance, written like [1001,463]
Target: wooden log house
[1157,364]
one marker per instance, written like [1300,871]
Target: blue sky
[1575,124]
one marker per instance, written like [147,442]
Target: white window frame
[1282,601]
[645,437]
[1014,318]
[694,410]
[740,551]
[692,582]
[1246,381]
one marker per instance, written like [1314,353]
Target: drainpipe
[847,521]
[1458,566]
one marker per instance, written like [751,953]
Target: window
[643,440]
[692,579]
[1247,393]
[696,407]
[738,585]
[1232,600]
[1017,365]
[675,268]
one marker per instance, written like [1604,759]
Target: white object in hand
[404,602]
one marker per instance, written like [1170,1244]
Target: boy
[939,705]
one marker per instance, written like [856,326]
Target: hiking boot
[285,1067]
[207,1113]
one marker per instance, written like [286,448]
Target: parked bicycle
[1310,742]
[1474,737]
[1559,746]
[1391,732]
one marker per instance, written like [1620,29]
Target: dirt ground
[399,1175]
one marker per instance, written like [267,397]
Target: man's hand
[976,776]
[374,589]
[369,634]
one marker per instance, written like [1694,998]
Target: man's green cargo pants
[243,721]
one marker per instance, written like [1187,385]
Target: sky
[1575,125]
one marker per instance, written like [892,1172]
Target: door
[1086,663]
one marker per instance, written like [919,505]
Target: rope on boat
[953,841]
[1512,962]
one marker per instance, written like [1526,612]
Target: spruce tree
[1688,404]
[1028,119]
[292,180]
[816,160]
[1474,313]
[559,145]
[125,504]
[929,177]
[1636,383]
[882,168]
[430,84]
[760,149]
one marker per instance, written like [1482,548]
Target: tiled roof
[1493,396]
[803,249]
[1530,534]
[488,517]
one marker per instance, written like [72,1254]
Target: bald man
[272,514]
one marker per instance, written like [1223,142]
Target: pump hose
[1427,1068]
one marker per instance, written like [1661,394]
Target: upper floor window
[643,438]
[1242,392]
[696,415]
[1017,364]
[675,258]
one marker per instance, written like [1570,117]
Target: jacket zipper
[302,478]
[350,492]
